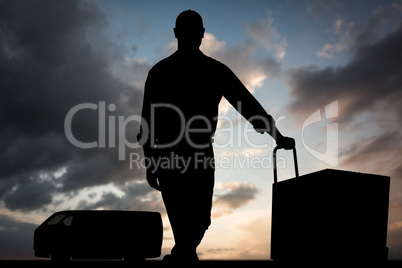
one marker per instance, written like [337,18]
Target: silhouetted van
[87,234]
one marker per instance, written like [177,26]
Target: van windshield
[67,221]
[55,219]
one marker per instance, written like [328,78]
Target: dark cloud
[377,154]
[370,83]
[237,195]
[219,250]
[29,193]
[372,77]
[370,146]
[16,238]
[55,55]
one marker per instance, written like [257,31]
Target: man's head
[189,28]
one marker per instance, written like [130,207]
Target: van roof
[75,212]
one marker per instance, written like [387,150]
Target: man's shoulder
[219,67]
[213,62]
[171,61]
[164,63]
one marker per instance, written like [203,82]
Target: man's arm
[144,135]
[246,104]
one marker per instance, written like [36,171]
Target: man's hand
[286,143]
[152,179]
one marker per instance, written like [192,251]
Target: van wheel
[60,257]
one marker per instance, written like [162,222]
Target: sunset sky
[330,72]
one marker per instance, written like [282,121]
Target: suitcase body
[330,215]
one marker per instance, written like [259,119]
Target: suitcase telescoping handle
[274,160]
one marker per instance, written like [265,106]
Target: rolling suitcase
[329,215]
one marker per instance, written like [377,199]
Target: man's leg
[188,201]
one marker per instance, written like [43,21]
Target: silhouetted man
[181,98]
